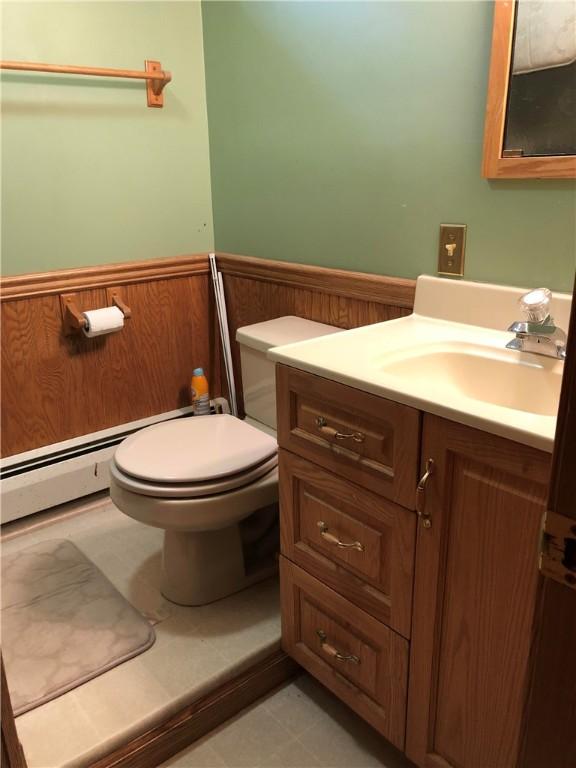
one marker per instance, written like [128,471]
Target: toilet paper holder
[73,319]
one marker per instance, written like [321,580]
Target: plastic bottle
[200,395]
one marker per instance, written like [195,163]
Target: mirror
[541,114]
[530,126]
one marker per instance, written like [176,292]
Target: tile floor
[195,648]
[302,725]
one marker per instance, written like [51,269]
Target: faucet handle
[527,327]
[536,305]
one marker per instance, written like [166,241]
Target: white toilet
[211,482]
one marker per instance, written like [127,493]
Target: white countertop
[526,386]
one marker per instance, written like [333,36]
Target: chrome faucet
[538,333]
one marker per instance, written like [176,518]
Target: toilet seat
[194,458]
[193,490]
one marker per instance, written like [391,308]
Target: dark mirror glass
[541,114]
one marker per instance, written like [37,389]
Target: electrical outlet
[451,249]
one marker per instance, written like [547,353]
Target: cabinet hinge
[558,549]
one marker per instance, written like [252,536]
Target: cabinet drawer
[363,662]
[369,440]
[358,543]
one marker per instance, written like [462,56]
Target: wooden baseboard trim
[84,278]
[393,291]
[178,732]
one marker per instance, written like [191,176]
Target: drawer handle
[421,494]
[324,532]
[334,652]
[322,425]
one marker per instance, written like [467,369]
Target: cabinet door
[476,589]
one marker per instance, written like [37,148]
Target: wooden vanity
[409,568]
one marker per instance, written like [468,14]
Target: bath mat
[63,623]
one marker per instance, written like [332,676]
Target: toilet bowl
[197,478]
[211,482]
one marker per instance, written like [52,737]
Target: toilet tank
[258,379]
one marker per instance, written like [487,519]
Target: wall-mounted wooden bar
[156,78]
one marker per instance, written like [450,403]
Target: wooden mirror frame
[494,165]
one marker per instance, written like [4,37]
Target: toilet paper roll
[101,321]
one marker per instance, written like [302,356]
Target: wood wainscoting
[261,289]
[55,387]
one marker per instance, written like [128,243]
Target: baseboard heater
[45,477]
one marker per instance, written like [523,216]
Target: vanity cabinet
[409,568]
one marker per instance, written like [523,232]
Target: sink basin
[499,377]
[449,358]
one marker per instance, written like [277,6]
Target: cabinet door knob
[421,494]
[324,532]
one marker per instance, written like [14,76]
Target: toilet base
[213,546]
[199,567]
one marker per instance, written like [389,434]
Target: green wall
[344,133]
[341,134]
[89,174]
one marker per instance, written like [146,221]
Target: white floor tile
[123,701]
[182,665]
[291,755]
[249,740]
[56,735]
[330,735]
[195,648]
[301,705]
[201,755]
[340,739]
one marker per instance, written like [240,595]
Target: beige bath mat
[63,623]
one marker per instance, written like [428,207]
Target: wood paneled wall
[56,387]
[259,289]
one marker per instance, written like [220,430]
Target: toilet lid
[194,450]
[194,490]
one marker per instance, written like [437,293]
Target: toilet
[211,482]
